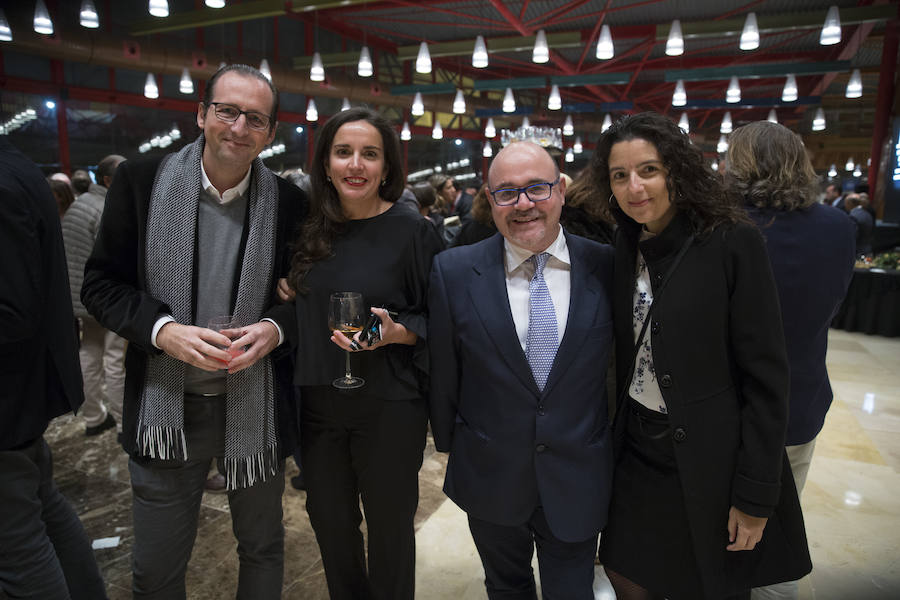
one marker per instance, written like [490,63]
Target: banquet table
[872,304]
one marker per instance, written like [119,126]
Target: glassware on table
[224,323]
[347,314]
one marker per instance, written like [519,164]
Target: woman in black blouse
[368,442]
[704,505]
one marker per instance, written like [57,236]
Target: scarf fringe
[166,443]
[246,471]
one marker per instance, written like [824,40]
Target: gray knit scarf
[251,440]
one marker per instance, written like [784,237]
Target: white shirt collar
[515,255]
[230,194]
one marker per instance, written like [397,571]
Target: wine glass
[224,323]
[347,314]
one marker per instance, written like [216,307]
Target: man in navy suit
[520,331]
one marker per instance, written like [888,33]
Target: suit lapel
[582,304]
[491,301]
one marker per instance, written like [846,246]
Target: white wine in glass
[347,314]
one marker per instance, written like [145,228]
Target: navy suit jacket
[514,448]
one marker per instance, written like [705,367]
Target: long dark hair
[326,217]
[693,188]
[768,167]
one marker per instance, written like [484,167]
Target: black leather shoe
[107,423]
[215,484]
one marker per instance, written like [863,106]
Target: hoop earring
[328,178]
[611,198]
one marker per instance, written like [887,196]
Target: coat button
[654,327]
[666,381]
[541,410]
[540,448]
[679,435]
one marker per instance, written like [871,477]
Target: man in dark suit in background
[44,552]
[520,331]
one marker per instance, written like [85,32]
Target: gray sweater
[79,228]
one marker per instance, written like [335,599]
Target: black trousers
[357,446]
[44,551]
[567,568]
[166,499]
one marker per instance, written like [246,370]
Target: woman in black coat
[703,505]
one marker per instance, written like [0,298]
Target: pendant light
[459,103]
[264,69]
[818,123]
[684,123]
[714,165]
[317,69]
[679,98]
[554,101]
[772,118]
[578,147]
[831,30]
[605,49]
[215,3]
[42,22]
[727,124]
[312,114]
[405,133]
[487,151]
[789,93]
[418,107]
[345,105]
[5,31]
[675,43]
[365,68]
[541,52]
[849,166]
[525,121]
[186,84]
[607,123]
[733,94]
[159,8]
[750,34]
[509,101]
[480,53]
[423,60]
[568,127]
[722,146]
[88,16]
[150,88]
[854,86]
[832,172]
[438,132]
[489,129]
[570,156]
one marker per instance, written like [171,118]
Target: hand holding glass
[346,313]
[226,323]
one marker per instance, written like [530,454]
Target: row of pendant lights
[830,34]
[87,16]
[788,94]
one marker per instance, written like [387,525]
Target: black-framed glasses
[230,113]
[536,192]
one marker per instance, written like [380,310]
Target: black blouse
[387,258]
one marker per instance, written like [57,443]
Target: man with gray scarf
[200,234]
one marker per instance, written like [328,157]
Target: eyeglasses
[536,192]
[230,113]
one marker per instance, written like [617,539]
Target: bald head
[519,152]
[532,221]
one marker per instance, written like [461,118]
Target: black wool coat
[720,360]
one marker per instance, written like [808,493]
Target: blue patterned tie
[542,341]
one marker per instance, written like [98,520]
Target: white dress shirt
[557,275]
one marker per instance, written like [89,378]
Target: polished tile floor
[851,502]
